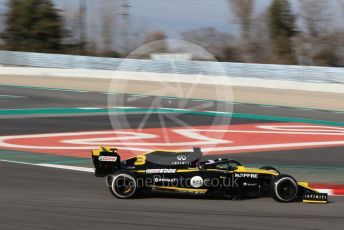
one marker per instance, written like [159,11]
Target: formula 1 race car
[184,172]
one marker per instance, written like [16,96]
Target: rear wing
[106,161]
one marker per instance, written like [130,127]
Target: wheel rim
[286,189]
[123,185]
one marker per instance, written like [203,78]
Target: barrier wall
[261,71]
[327,96]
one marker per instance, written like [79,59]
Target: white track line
[4,96]
[67,167]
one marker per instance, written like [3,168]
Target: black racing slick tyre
[123,185]
[270,168]
[284,188]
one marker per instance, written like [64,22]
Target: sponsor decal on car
[249,184]
[196,181]
[316,196]
[246,175]
[181,160]
[163,179]
[180,163]
[161,170]
[107,158]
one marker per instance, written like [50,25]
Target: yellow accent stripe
[197,170]
[101,149]
[315,201]
[305,185]
[138,171]
[95,152]
[182,189]
[242,169]
[187,170]
[217,170]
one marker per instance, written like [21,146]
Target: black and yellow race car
[185,172]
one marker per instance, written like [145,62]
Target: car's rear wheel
[124,185]
[284,188]
[270,168]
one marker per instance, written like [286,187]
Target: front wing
[310,195]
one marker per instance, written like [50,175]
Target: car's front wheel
[123,185]
[284,188]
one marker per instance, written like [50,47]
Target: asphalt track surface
[34,197]
[24,98]
[39,198]
[41,98]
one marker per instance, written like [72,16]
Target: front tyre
[124,185]
[284,188]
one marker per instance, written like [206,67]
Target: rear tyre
[284,188]
[270,168]
[123,185]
